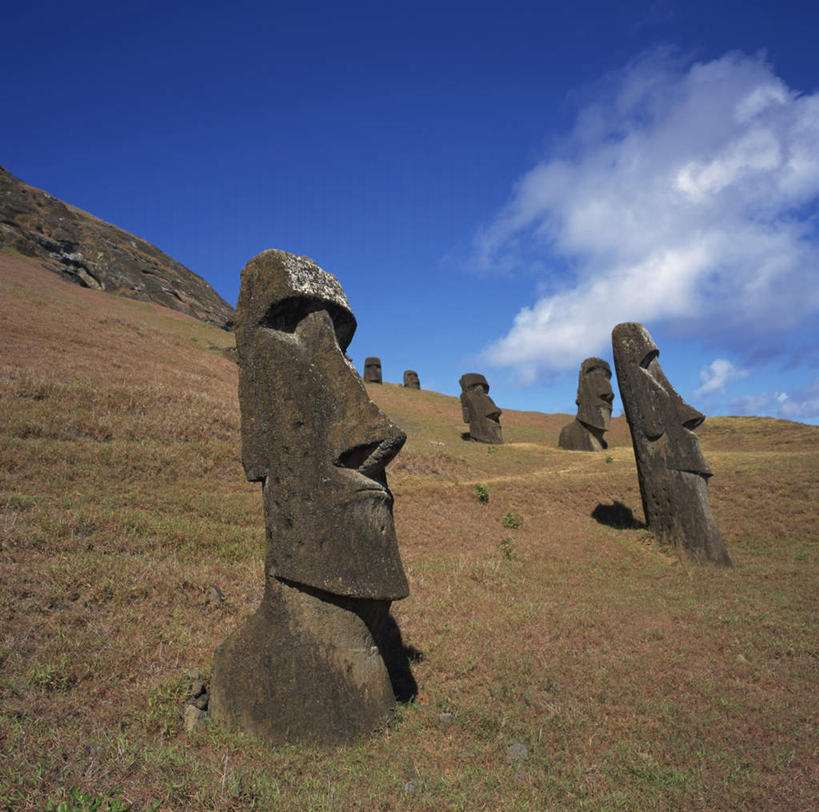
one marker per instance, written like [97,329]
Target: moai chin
[372,370]
[672,472]
[411,379]
[479,409]
[594,399]
[318,660]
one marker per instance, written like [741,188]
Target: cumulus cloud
[716,375]
[686,195]
[801,404]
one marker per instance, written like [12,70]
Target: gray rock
[214,596]
[194,718]
[516,753]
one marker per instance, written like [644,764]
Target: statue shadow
[397,657]
[618,516]
[465,435]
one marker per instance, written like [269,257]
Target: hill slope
[541,617]
[94,254]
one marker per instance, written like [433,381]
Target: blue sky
[495,185]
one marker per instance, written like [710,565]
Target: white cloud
[684,196]
[801,404]
[716,375]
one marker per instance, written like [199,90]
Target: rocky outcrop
[95,254]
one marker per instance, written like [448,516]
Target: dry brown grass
[635,681]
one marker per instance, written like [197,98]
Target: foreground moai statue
[594,399]
[316,660]
[672,472]
[411,379]
[479,409]
[372,370]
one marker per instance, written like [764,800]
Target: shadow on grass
[397,657]
[618,516]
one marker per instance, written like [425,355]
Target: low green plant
[483,493]
[609,459]
[512,519]
[506,549]
[79,801]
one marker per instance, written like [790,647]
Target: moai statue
[372,370]
[594,398]
[672,472]
[411,379]
[479,409]
[319,658]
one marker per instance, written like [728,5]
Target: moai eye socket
[287,314]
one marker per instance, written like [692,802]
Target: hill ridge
[90,252]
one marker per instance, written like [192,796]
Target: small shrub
[505,548]
[609,459]
[483,493]
[512,519]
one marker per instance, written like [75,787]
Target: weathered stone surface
[95,254]
[479,410]
[411,379]
[672,472]
[594,399]
[372,370]
[194,718]
[322,658]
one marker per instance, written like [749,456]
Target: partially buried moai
[672,472]
[594,399]
[321,659]
[372,370]
[479,409]
[411,379]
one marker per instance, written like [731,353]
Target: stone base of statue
[308,666]
[680,516]
[577,436]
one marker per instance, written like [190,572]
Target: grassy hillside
[633,680]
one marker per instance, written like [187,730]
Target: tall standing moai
[594,399]
[672,472]
[319,659]
[411,379]
[479,410]
[372,370]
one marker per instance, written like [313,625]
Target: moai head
[411,379]
[372,370]
[594,395]
[479,410]
[311,434]
[671,469]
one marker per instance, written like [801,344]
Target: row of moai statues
[372,373]
[671,469]
[321,659]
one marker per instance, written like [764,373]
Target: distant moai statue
[321,659]
[372,370]
[594,399]
[672,472]
[479,410]
[411,379]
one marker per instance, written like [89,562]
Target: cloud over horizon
[686,195]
